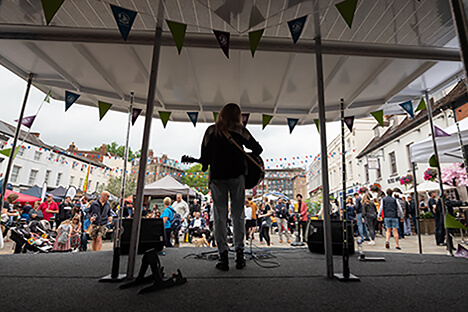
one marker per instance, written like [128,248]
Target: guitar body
[254,175]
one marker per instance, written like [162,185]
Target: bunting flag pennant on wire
[256,17]
[215,116]
[349,122]
[438,133]
[223,41]
[178,33]
[422,105]
[245,118]
[452,223]
[378,115]
[124,19]
[462,252]
[433,161]
[70,98]
[347,9]
[135,113]
[408,107]
[193,118]
[292,122]
[103,109]
[266,120]
[316,122]
[47,98]
[7,152]
[164,117]
[296,26]
[50,7]
[254,39]
[27,121]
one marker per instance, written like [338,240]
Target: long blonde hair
[229,116]
[366,199]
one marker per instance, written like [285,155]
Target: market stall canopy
[22,198]
[394,51]
[167,186]
[448,146]
[59,192]
[427,186]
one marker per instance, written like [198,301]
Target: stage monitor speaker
[316,238]
[151,235]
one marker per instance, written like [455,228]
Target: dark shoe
[240,260]
[398,247]
[387,245]
[223,262]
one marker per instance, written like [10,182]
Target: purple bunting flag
[439,132]
[245,119]
[135,113]
[27,121]
[349,121]
[223,41]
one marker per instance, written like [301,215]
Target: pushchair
[33,238]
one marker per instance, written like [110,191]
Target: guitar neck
[189,159]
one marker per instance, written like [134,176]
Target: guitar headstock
[188,159]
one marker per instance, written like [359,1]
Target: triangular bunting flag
[193,118]
[422,105]
[349,121]
[135,113]
[452,223]
[254,39]
[292,122]
[215,116]
[462,252]
[347,9]
[433,161]
[296,26]
[408,107]
[256,17]
[103,109]
[124,19]
[439,132]
[27,121]
[47,98]
[164,117]
[7,152]
[245,119]
[70,98]
[266,120]
[378,115]
[223,41]
[50,7]
[178,33]
[316,122]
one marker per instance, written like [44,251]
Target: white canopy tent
[168,186]
[448,147]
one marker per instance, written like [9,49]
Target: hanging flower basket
[406,180]
[430,174]
[375,187]
[362,190]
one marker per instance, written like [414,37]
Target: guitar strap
[231,139]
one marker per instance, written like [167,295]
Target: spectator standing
[265,218]
[35,214]
[281,213]
[361,227]
[167,216]
[49,207]
[432,206]
[75,233]
[413,214]
[392,213]
[303,215]
[253,222]
[181,207]
[100,215]
[248,220]
[194,207]
[369,216]
[65,211]
[62,242]
[8,212]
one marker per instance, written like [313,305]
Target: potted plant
[375,188]
[406,180]
[362,190]
[430,174]
[427,223]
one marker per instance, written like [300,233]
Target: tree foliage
[114,185]
[119,150]
[197,179]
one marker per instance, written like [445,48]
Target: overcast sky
[81,125]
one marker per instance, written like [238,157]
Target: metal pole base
[296,244]
[362,257]
[109,279]
[350,278]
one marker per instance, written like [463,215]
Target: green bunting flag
[7,152]
[47,98]
[347,9]
[422,105]
[266,120]
[164,117]
[178,33]
[378,115]
[103,108]
[433,161]
[452,223]
[50,7]
[316,122]
[254,39]
[215,116]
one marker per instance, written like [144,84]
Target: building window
[379,172]
[37,155]
[15,173]
[97,185]
[350,170]
[81,183]
[32,177]
[72,179]
[408,152]
[366,169]
[393,168]
[59,177]
[21,151]
[47,176]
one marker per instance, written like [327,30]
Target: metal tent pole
[135,235]
[460,138]
[115,276]
[15,139]
[416,206]
[323,144]
[439,173]
[460,21]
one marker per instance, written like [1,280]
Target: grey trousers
[236,190]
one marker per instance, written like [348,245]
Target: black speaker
[316,240]
[151,235]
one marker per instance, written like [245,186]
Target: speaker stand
[298,241]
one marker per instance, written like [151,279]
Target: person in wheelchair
[198,227]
